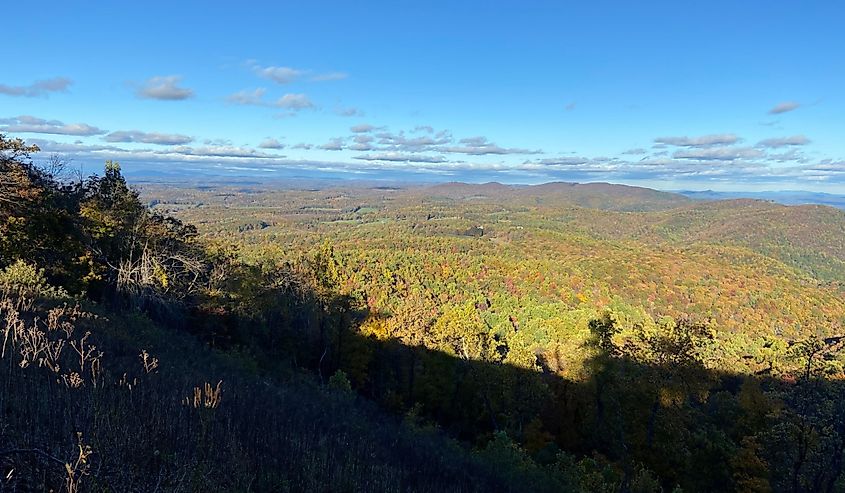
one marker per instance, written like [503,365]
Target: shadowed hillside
[148,407]
[159,411]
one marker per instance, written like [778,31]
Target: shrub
[27,281]
[340,381]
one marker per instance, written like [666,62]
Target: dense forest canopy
[458,337]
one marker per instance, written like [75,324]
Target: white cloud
[253,97]
[349,111]
[31,124]
[563,161]
[217,151]
[703,141]
[41,88]
[280,75]
[795,140]
[400,157]
[696,166]
[147,138]
[791,154]
[164,88]
[784,107]
[271,143]
[217,142]
[425,139]
[489,148]
[719,153]
[287,75]
[335,144]
[399,142]
[362,142]
[294,102]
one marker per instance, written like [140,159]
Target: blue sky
[671,95]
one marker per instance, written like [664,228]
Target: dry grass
[84,376]
[207,396]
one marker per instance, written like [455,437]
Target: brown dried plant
[13,325]
[73,380]
[88,354]
[150,364]
[42,342]
[80,467]
[207,396]
[126,382]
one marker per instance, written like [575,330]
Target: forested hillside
[592,195]
[450,338]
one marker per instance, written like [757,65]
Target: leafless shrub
[80,467]
[89,355]
[152,274]
[33,345]
[150,364]
[64,317]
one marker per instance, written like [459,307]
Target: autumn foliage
[563,338]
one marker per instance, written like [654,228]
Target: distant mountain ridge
[603,196]
[579,193]
[787,197]
[609,196]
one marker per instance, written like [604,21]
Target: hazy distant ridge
[796,197]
